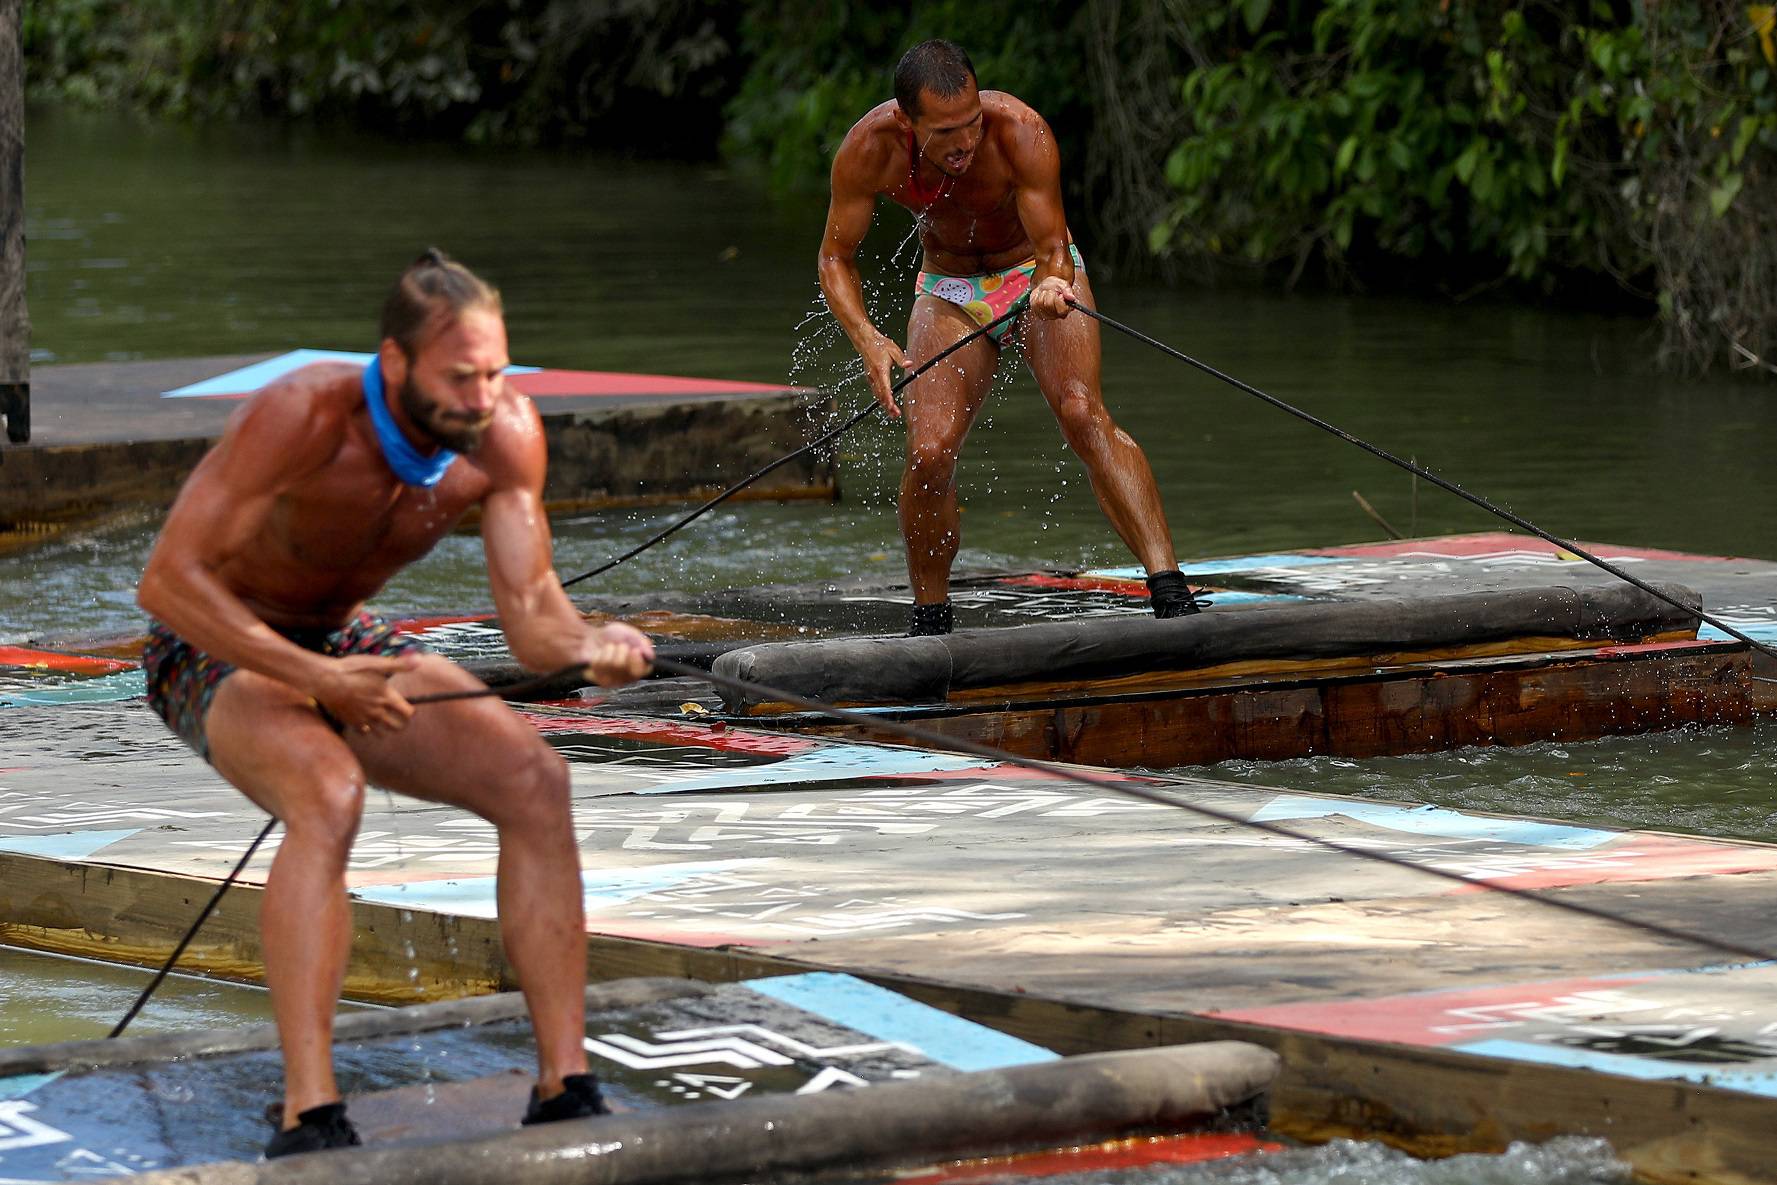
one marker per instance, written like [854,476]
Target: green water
[150,242]
[45,998]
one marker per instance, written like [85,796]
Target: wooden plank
[136,916]
[15,322]
[602,456]
[1418,708]
[1425,1102]
[1429,1102]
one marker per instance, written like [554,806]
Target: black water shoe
[931,620]
[578,1099]
[1171,596]
[316,1129]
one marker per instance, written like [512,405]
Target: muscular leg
[940,406]
[271,743]
[1064,357]
[481,756]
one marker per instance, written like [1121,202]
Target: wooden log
[1077,1100]
[15,324]
[1112,651]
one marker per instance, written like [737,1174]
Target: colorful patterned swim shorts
[989,295]
[183,679]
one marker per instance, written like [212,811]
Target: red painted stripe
[49,660]
[701,735]
[1636,857]
[595,384]
[419,625]
[1684,644]
[1134,588]
[1437,1018]
[1459,546]
[1194,1148]
[599,383]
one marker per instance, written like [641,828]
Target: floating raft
[1435,1014]
[1438,1015]
[113,435]
[436,1090]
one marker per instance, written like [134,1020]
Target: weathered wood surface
[1419,1008]
[107,441]
[1416,708]
[15,322]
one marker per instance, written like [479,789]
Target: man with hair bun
[262,657]
[980,172]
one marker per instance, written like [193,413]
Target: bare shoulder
[297,422]
[1019,130]
[872,150]
[513,452]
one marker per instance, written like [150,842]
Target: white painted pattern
[19,1130]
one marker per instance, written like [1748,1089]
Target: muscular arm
[849,211]
[274,441]
[1037,172]
[542,627]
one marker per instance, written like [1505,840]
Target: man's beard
[460,435]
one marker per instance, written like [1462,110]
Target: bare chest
[969,223]
[358,523]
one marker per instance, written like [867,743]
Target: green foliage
[1543,143]
[1482,131]
[1533,142]
[815,67]
[518,70]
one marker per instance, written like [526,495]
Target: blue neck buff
[408,463]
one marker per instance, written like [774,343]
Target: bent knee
[325,812]
[932,461]
[538,793]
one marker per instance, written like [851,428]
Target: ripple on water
[1704,781]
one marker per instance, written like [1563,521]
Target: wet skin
[986,192]
[294,519]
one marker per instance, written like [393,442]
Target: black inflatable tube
[1095,1097]
[915,670]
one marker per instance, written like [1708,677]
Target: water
[151,242]
[46,998]
[1702,781]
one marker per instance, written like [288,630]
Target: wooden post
[15,324]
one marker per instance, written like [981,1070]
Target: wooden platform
[1440,1016]
[762,1075]
[109,435]
[1405,1007]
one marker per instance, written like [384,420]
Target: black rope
[512,691]
[191,932]
[1132,789]
[1420,471]
[833,434]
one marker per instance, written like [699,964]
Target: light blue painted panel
[1434,820]
[889,1016]
[106,689]
[20,1085]
[1628,1066]
[474,896]
[1242,563]
[64,845]
[830,763]
[250,378]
